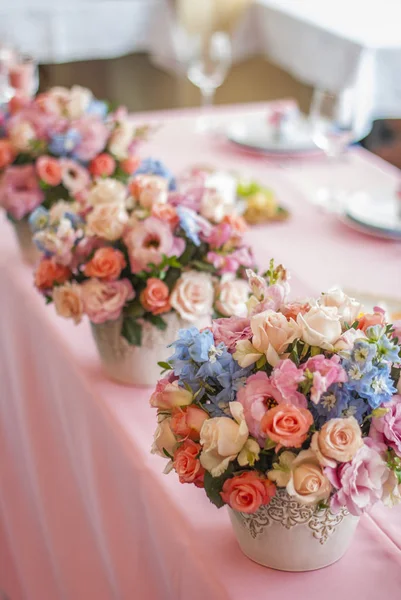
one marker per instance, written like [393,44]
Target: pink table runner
[85,511]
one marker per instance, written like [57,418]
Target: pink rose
[247,492]
[187,465]
[168,395]
[397,330]
[155,297]
[74,177]
[287,425]
[193,295]
[326,371]
[220,235]
[359,482]
[49,170]
[19,191]
[308,484]
[148,240]
[106,263]
[149,190]
[103,165]
[230,331]
[338,441]
[257,396]
[94,135]
[187,422]
[387,429]
[21,135]
[104,300]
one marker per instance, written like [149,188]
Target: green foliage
[214,485]
[134,309]
[165,365]
[167,454]
[199,265]
[157,321]
[132,331]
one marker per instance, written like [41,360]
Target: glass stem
[207,97]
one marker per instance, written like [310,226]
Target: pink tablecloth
[85,511]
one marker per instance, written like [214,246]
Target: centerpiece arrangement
[290,416]
[140,267]
[54,145]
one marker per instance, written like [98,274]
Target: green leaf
[203,266]
[165,365]
[269,444]
[167,454]
[214,485]
[261,362]
[157,321]
[132,331]
[135,310]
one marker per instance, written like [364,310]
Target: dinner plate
[376,216]
[256,133]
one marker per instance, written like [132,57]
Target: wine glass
[24,76]
[332,126]
[7,56]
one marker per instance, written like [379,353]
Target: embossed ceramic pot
[28,250]
[137,365]
[289,536]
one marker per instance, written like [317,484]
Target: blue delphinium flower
[64,144]
[189,223]
[38,219]
[387,350]
[377,386]
[150,166]
[98,108]
[332,403]
[363,354]
[74,219]
[191,349]
[217,364]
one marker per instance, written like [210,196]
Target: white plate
[375,216]
[255,132]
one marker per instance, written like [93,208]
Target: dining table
[86,512]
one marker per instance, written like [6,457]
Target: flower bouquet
[290,416]
[53,146]
[139,268]
[216,194]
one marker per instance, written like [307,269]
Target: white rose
[58,210]
[346,341]
[67,300]
[214,206]
[222,439]
[121,139]
[78,101]
[107,191]
[107,221]
[348,308]
[320,326]
[232,296]
[193,295]
[164,438]
[21,135]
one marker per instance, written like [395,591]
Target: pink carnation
[359,482]
[230,331]
[230,263]
[273,298]
[94,135]
[220,235]
[326,371]
[104,300]
[387,429]
[286,377]
[19,191]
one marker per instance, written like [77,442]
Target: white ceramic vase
[289,536]
[137,365]
[28,250]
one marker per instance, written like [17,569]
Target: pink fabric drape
[85,511]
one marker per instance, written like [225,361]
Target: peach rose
[104,300]
[49,170]
[102,165]
[193,295]
[48,272]
[107,263]
[130,164]
[155,297]
[107,221]
[308,484]
[287,425]
[169,395]
[187,465]
[338,441]
[68,301]
[369,320]
[21,135]
[7,153]
[149,190]
[222,439]
[247,492]
[166,213]
[187,422]
[232,296]
[320,326]
[164,438]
